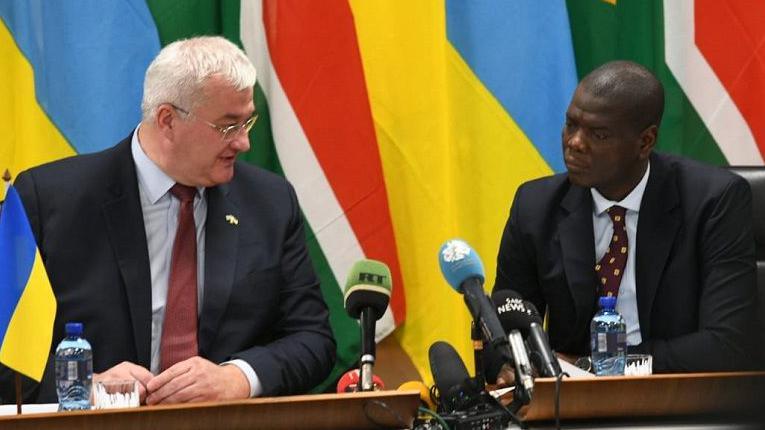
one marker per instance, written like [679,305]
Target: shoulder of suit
[254,178]
[540,196]
[696,174]
[246,171]
[82,166]
[547,185]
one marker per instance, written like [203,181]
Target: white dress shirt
[626,302]
[160,218]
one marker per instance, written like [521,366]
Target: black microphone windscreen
[513,312]
[457,390]
[447,367]
[533,309]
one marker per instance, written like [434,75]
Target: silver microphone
[521,359]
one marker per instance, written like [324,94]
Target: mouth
[574,165]
[228,158]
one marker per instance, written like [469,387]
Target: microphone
[367,293]
[461,403]
[522,364]
[516,313]
[463,270]
[455,387]
[349,382]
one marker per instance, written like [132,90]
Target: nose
[240,142]
[575,140]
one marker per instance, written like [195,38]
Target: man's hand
[506,376]
[127,371]
[197,380]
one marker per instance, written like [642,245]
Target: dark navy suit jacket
[695,264]
[262,302]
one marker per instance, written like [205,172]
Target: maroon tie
[179,332]
[611,267]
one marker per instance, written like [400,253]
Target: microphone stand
[521,396]
[367,360]
[476,337]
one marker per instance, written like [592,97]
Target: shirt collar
[155,182]
[631,202]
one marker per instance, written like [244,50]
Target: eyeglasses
[228,133]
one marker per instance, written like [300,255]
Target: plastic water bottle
[74,370]
[608,334]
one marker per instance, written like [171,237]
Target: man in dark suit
[204,296]
[686,285]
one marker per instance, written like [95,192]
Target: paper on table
[574,371]
[29,409]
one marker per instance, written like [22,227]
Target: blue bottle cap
[73,329]
[607,302]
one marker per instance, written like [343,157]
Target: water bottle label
[71,370]
[611,342]
[602,343]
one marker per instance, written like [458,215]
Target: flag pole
[7,180]
[18,392]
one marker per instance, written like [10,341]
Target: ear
[165,119]
[648,141]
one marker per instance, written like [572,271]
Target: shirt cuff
[256,388]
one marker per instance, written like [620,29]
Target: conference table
[677,401]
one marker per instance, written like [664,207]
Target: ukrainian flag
[27,304]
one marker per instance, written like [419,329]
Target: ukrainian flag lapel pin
[232,219]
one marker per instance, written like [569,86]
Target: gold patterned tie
[611,267]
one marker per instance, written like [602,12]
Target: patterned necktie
[179,331]
[611,267]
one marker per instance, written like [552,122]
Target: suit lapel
[658,224]
[578,249]
[221,241]
[125,227]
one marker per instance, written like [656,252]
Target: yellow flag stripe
[27,341]
[27,136]
[452,160]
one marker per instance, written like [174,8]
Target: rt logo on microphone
[371,277]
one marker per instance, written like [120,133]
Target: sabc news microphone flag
[27,303]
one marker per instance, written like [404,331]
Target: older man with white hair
[188,269]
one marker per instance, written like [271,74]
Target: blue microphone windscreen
[459,262]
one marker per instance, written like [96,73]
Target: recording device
[463,270]
[456,390]
[367,294]
[516,313]
[461,403]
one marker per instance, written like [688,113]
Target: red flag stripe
[315,53]
[730,36]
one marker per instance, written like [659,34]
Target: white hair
[179,72]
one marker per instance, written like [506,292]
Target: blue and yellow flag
[27,304]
